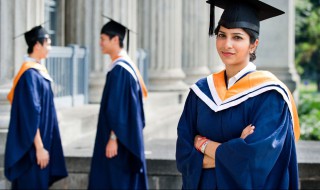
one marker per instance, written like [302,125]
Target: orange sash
[142,84]
[252,80]
[25,66]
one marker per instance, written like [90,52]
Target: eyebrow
[236,33]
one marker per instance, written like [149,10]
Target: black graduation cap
[242,13]
[36,33]
[115,28]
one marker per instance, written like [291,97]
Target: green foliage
[309,115]
[308,39]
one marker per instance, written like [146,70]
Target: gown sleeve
[249,163]
[124,113]
[24,122]
[189,160]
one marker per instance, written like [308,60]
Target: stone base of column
[194,74]
[290,78]
[5,108]
[96,84]
[169,80]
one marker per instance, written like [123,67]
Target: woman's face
[233,46]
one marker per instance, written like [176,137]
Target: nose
[228,43]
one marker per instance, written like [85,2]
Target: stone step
[159,99]
[77,122]
[162,112]
[313,183]
[163,122]
[5,105]
[3,184]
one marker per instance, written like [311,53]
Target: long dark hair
[253,36]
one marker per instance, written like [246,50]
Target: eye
[237,37]
[221,36]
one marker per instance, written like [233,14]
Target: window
[51,16]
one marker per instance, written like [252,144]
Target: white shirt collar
[122,55]
[30,59]
[235,78]
[45,75]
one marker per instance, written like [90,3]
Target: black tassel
[128,40]
[211,26]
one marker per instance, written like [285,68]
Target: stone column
[195,50]
[83,25]
[276,49]
[17,16]
[160,35]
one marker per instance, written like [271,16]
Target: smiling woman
[239,126]
[235,48]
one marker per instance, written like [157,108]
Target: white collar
[44,74]
[235,78]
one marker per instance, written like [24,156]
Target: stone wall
[162,172]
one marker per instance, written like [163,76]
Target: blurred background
[171,47]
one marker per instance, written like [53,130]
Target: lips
[227,54]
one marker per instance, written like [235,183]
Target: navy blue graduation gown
[121,111]
[33,108]
[266,159]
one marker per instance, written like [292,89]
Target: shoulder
[202,82]
[123,68]
[31,75]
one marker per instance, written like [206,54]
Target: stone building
[172,33]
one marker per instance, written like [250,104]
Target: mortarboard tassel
[212,19]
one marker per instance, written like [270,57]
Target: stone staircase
[162,111]
[77,122]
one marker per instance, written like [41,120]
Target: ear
[254,46]
[115,39]
[37,45]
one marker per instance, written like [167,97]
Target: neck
[115,54]
[35,56]
[232,70]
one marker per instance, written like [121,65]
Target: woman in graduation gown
[33,155]
[239,126]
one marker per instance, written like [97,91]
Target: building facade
[174,35]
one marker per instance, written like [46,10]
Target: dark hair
[253,36]
[40,40]
[113,35]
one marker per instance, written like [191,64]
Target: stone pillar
[276,49]
[160,35]
[83,25]
[17,16]
[195,50]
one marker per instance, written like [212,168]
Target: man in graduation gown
[33,155]
[217,112]
[118,160]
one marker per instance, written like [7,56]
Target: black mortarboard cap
[242,13]
[36,33]
[115,28]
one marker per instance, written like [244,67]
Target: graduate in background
[239,126]
[118,160]
[33,155]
